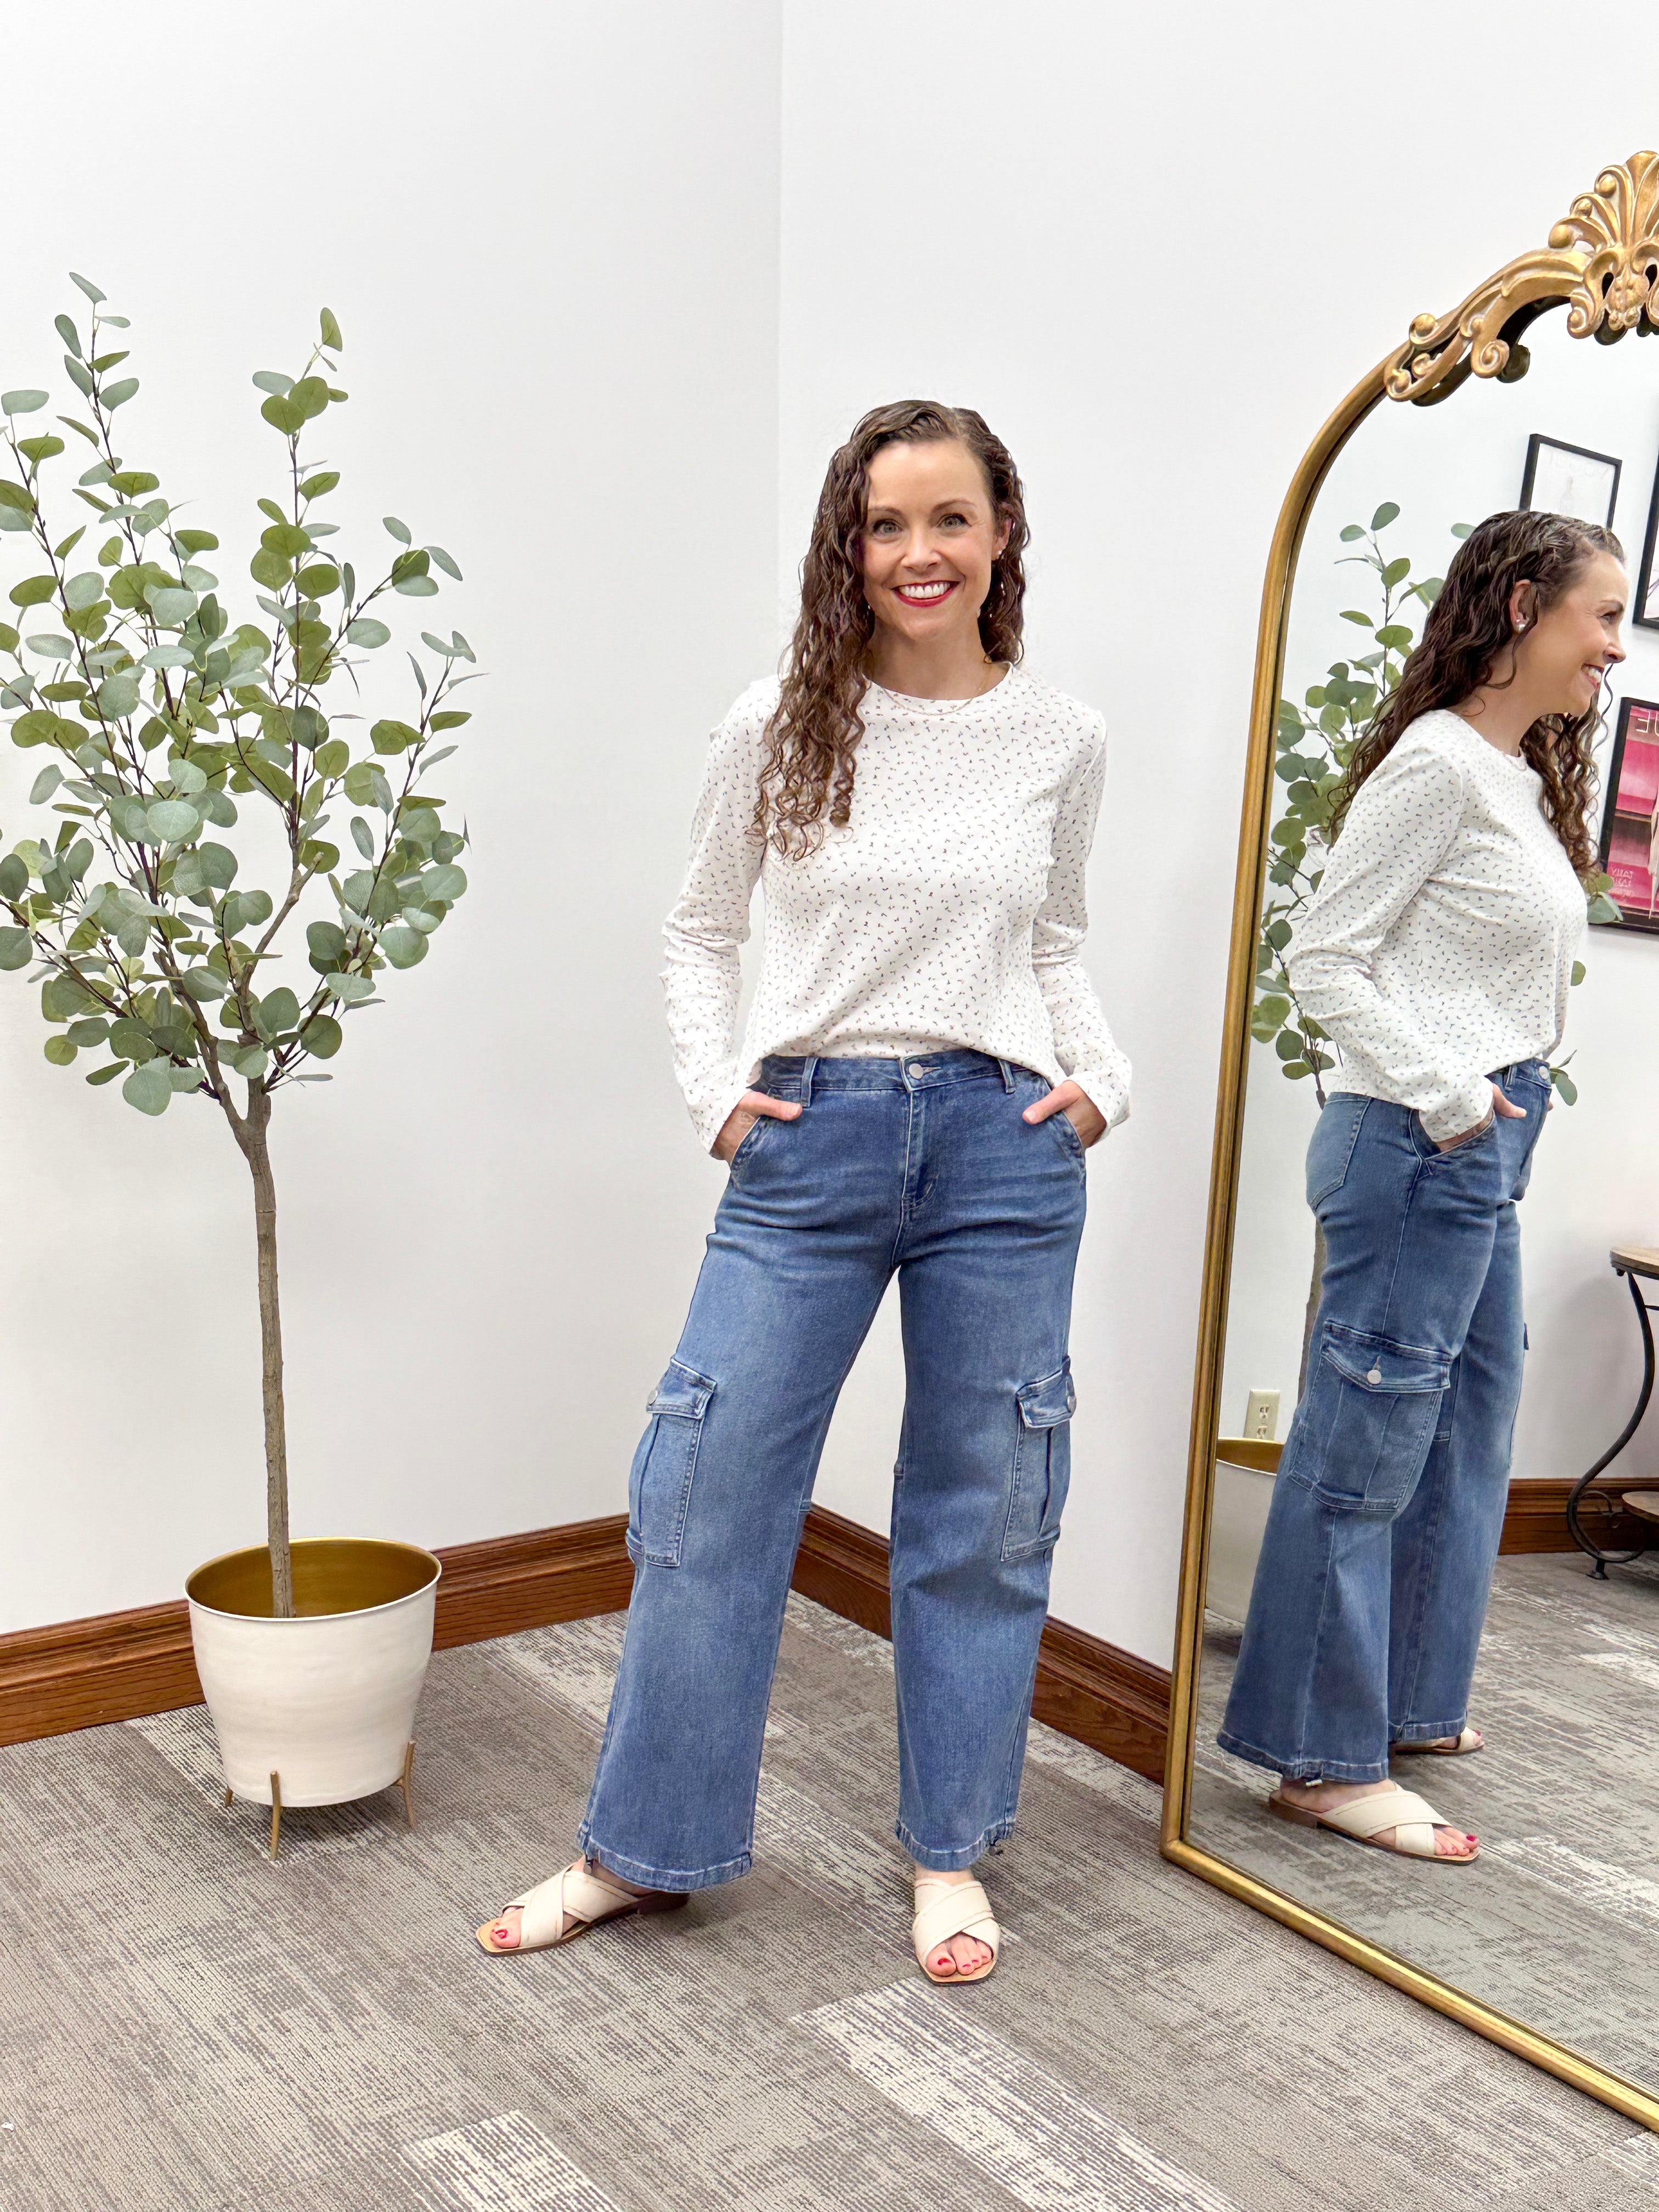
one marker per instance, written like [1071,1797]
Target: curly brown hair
[1468,628]
[814,731]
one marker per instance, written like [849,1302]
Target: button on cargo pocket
[659,1480]
[1042,1463]
[1363,1432]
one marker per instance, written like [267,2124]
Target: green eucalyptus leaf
[118,695]
[172,607]
[282,415]
[332,758]
[1385,514]
[322,1037]
[402,945]
[16,948]
[400,530]
[22,402]
[195,541]
[361,837]
[218,866]
[446,563]
[184,1078]
[59,1051]
[45,784]
[351,989]
[327,941]
[107,1074]
[277,1012]
[366,631]
[148,1089]
[330,332]
[393,737]
[173,820]
[447,884]
[33,591]
[272,380]
[320,485]
[203,985]
[310,396]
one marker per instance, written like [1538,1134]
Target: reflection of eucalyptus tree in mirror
[1314,743]
[154,710]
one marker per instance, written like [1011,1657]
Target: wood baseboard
[119,1666]
[1086,1687]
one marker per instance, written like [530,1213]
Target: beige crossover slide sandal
[569,1902]
[1470,1740]
[1412,1819]
[944,1909]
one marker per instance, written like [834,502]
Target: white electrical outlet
[1262,1416]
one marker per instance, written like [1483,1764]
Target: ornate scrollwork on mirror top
[1602,261]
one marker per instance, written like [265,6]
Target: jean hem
[680,1878]
[951,1861]
[1304,1770]
[1427,1731]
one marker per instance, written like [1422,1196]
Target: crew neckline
[912,703]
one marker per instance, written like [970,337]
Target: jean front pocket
[1363,1430]
[659,1480]
[1042,1463]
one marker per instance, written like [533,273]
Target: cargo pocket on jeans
[659,1480]
[1043,1464]
[1364,1429]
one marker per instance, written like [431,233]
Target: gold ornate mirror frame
[1601,263]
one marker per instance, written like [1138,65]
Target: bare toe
[942,1962]
[502,1934]
[1453,1843]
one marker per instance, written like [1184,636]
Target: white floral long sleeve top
[1439,944]
[948,912]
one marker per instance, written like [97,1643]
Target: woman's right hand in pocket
[749,1110]
[1501,1107]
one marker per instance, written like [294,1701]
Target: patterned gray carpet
[1556,1922]
[186,2027]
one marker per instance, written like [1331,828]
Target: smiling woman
[925,1065]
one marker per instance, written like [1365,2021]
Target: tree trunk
[257,1150]
[1312,1313]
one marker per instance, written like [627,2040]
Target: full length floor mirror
[1537,392]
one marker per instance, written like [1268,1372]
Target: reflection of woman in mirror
[925,1063]
[1438,952]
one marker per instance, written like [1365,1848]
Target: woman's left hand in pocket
[1079,1109]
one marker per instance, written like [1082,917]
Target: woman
[1438,951]
[923,1068]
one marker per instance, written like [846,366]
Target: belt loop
[1007,1073]
[806,1080]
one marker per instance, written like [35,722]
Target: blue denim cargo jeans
[1373,1577]
[924,1168]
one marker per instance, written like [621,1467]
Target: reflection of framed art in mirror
[1644,609]
[1563,479]
[1598,264]
[1630,822]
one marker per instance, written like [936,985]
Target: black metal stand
[1604,1559]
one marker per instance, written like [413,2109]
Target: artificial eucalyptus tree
[156,713]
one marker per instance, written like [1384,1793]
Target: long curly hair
[1467,630]
[813,734]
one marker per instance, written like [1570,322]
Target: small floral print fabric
[1439,944]
[949,911]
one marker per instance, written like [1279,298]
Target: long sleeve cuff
[1107,1090]
[1464,1108]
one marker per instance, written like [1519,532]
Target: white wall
[549,234]
[595,351]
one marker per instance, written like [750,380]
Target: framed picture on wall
[1570,480]
[1645,611]
[1630,826]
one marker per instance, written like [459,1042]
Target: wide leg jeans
[1372,1581]
[923,1167]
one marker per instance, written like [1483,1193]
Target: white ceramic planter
[1237,1520]
[325,1700]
